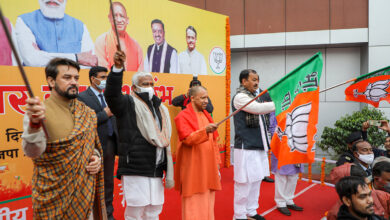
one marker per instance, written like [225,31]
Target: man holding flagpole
[250,146]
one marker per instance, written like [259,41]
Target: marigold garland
[227,85]
[323,171]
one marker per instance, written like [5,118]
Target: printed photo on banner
[164,41]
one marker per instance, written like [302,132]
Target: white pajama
[246,199]
[149,212]
[144,197]
[250,167]
[284,189]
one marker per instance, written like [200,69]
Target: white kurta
[143,191]
[191,62]
[34,57]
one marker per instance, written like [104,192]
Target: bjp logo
[374,91]
[296,128]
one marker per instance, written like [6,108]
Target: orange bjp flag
[296,99]
[370,88]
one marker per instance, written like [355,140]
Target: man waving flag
[296,99]
[370,88]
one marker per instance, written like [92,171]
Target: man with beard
[67,180]
[161,57]
[357,200]
[196,171]
[144,149]
[106,44]
[190,60]
[48,32]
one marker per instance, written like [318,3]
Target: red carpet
[315,199]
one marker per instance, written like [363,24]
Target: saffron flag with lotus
[370,88]
[296,99]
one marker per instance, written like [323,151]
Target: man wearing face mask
[48,32]
[364,156]
[144,150]
[93,97]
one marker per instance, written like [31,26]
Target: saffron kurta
[197,155]
[105,48]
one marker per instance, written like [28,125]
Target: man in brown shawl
[68,180]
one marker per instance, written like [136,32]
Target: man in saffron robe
[68,180]
[196,171]
[106,44]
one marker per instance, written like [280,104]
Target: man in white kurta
[48,32]
[250,147]
[190,60]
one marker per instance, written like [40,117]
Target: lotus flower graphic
[296,128]
[374,91]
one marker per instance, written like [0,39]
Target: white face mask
[102,85]
[148,90]
[366,158]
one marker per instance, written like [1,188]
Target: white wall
[379,40]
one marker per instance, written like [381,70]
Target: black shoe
[295,207]
[256,217]
[268,179]
[284,211]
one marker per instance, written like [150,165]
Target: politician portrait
[190,60]
[106,44]
[161,57]
[49,32]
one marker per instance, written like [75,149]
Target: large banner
[158,36]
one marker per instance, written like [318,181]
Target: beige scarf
[150,130]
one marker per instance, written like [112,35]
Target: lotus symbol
[374,91]
[296,128]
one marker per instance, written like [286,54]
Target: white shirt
[35,57]
[173,68]
[97,93]
[191,62]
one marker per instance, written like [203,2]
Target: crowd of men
[74,160]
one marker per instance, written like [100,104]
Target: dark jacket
[344,214]
[248,137]
[136,155]
[90,99]
[346,157]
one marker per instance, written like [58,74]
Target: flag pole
[238,110]
[116,29]
[340,84]
[21,69]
